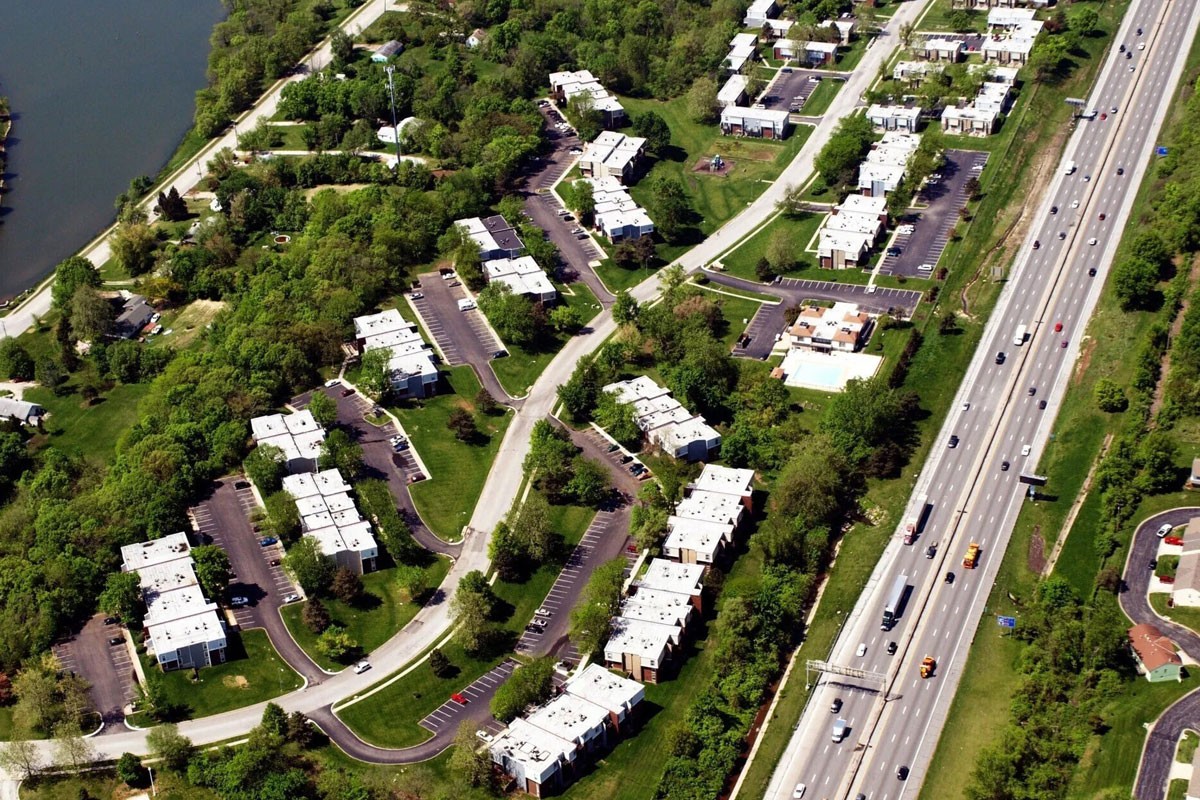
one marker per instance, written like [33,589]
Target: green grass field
[458,469]
[254,673]
[91,431]
[799,232]
[818,102]
[386,609]
[1187,747]
[518,372]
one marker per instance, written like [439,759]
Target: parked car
[267,541]
[543,612]
[239,602]
[361,667]
[111,620]
[458,698]
[1164,529]
[292,598]
[347,392]
[116,640]
[329,384]
[417,295]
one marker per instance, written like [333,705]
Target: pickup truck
[972,556]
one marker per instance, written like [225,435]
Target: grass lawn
[92,431]
[738,311]
[386,609]
[458,469]
[937,18]
[799,232]
[848,57]
[1177,789]
[6,723]
[187,323]
[1185,616]
[618,278]
[390,718]
[818,102]
[254,673]
[1187,747]
[521,369]
[1167,566]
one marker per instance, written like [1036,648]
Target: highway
[997,417]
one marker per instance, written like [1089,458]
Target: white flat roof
[202,628]
[646,640]
[570,717]
[375,324]
[539,752]
[893,112]
[608,690]
[711,507]
[853,222]
[671,577]
[732,90]
[776,116]
[861,204]
[158,551]
[743,40]
[634,389]
[167,576]
[969,113]
[682,434]
[178,603]
[302,484]
[656,605]
[1004,17]
[888,173]
[843,241]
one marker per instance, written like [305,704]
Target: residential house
[819,54]
[565,86]
[616,214]
[523,276]
[895,118]
[1186,589]
[612,155]
[844,26]
[863,204]
[876,180]
[843,250]
[743,49]
[1007,50]
[655,605]
[664,421]
[733,93]
[759,12]
[968,121]
[641,649]
[477,38]
[574,719]
[939,49]
[495,237]
[763,123]
[298,437]
[775,29]
[330,517]
[617,695]
[843,328]
[726,480]
[1156,655]
[914,72]
[540,762]
[1002,19]
[981,4]
[134,317]
[696,541]
[669,576]
[22,412]
[387,51]
[411,367]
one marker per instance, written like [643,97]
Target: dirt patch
[235,682]
[1085,359]
[1037,552]
[705,167]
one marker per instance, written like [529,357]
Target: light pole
[391,69]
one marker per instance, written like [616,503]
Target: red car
[458,698]
[347,392]
[1057,327]
[1064,344]
[1102,217]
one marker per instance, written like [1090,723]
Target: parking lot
[107,667]
[480,692]
[463,337]
[791,90]
[943,199]
[550,166]
[760,335]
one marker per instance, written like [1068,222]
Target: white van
[1068,168]
[466,304]
[839,730]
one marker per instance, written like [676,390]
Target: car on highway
[1062,234]
[239,602]
[361,667]
[1032,391]
[862,650]
[1121,49]
[1103,115]
[902,773]
[799,791]
[953,443]
[1087,178]
[1057,327]
[1036,244]
[1091,272]
[836,705]
[1053,209]
[1164,529]
[1000,357]
[1092,241]
[949,577]
[1120,170]
[267,541]
[966,406]
[1074,204]
[1025,449]
[931,551]
[1141,45]
[1129,54]
[1102,217]
[1004,465]
[1041,405]
[1064,344]
[891,648]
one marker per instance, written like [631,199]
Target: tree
[21,758]
[166,742]
[670,208]
[212,569]
[315,616]
[336,644]
[625,308]
[513,315]
[1135,282]
[837,163]
[531,530]
[589,485]
[49,372]
[323,408]
[463,424]
[588,121]
[282,516]
[312,570]
[618,420]
[648,526]
[71,750]
[485,402]
[69,275]
[1084,21]
[340,452]
[468,762]
[471,608]
[122,597]
[347,586]
[972,188]
[959,20]
[528,685]
[274,720]
[130,770]
[172,206]
[580,198]
[781,251]
[701,101]
[375,378]
[1110,397]
[133,247]
[15,361]
[91,315]
[654,129]
[566,319]
[1048,57]
[441,666]
[265,467]
[299,731]
[341,47]
[906,34]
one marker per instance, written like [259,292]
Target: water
[101,91]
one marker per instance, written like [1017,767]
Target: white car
[417,295]
[361,667]
[239,602]
[333,382]
[1141,45]
[798,792]
[1025,449]
[1092,241]
[543,612]
[575,151]
[292,598]
[466,304]
[1074,204]
[862,650]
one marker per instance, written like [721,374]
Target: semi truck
[927,666]
[972,556]
[895,603]
[912,525]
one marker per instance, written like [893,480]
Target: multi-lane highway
[1002,426]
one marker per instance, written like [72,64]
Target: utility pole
[391,69]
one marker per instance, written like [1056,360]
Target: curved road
[1159,752]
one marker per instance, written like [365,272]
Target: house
[696,541]
[895,118]
[939,49]
[655,605]
[1193,480]
[412,371]
[876,180]
[775,29]
[538,761]
[1186,589]
[616,214]
[612,155]
[617,695]
[523,276]
[743,48]
[1157,656]
[387,51]
[641,649]
[22,412]
[854,222]
[477,38]
[842,249]
[845,28]
[565,86]
[843,328]
[298,437]
[996,74]
[785,49]
[993,96]
[763,123]
[664,421]
[1008,19]
[726,480]
[968,121]
[495,237]
[733,93]
[330,517]
[863,204]
[915,72]
[715,507]
[819,53]
[669,576]
[759,12]
[183,629]
[1007,50]
[134,316]
[574,719]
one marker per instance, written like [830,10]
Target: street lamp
[391,69]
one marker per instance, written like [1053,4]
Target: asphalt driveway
[107,667]
[792,89]
[462,336]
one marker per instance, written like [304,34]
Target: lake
[101,92]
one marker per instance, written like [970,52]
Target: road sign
[1075,101]
[1007,622]
[1033,480]
[1160,151]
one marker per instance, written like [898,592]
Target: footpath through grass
[385,608]
[458,469]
